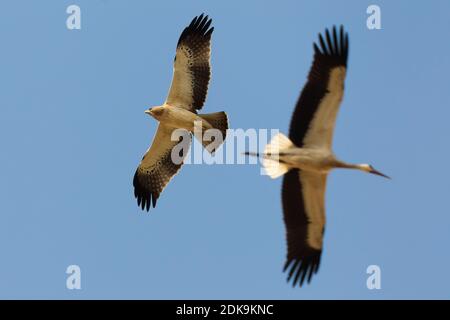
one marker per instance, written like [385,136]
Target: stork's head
[155,112]
[368,168]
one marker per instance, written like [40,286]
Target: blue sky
[72,131]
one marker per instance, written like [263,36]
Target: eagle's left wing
[158,166]
[192,69]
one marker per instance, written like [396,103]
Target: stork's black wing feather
[303,260]
[331,52]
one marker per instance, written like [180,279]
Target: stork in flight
[187,95]
[306,157]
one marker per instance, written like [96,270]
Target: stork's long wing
[192,69]
[313,121]
[303,197]
[158,166]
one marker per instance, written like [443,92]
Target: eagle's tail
[219,121]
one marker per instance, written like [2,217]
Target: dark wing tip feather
[198,27]
[329,43]
[323,46]
[334,46]
[302,268]
[143,195]
[316,49]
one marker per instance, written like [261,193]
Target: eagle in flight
[187,94]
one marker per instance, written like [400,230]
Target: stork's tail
[219,121]
[271,156]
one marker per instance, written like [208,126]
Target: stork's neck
[359,166]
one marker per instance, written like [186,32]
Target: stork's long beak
[378,173]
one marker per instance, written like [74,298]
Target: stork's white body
[315,160]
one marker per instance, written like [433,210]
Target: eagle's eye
[157,111]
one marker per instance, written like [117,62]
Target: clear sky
[73,130]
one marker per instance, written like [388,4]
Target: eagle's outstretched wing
[192,69]
[158,166]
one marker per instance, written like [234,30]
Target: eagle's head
[155,112]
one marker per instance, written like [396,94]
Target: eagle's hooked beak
[149,112]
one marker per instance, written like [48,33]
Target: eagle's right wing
[158,166]
[191,69]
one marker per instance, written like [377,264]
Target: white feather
[278,143]
[271,164]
